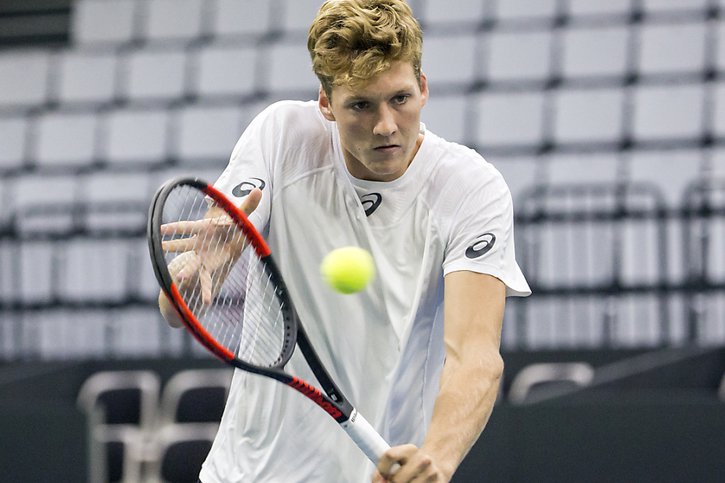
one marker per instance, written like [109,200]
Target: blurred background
[607,120]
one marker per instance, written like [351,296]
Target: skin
[379,133]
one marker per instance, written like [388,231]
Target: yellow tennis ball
[348,269]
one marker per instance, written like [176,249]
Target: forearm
[464,404]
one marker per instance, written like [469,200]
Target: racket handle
[365,436]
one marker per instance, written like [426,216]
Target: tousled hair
[351,41]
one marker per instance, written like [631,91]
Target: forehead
[399,77]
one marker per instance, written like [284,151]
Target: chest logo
[245,187]
[370,202]
[482,245]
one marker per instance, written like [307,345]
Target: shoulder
[461,175]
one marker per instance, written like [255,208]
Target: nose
[385,125]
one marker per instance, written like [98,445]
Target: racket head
[218,273]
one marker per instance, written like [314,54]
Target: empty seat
[594,51]
[466,13]
[154,74]
[518,10]
[136,136]
[241,18]
[86,77]
[541,381]
[510,118]
[589,116]
[672,48]
[115,201]
[36,274]
[13,141]
[204,133]
[720,47]
[297,15]
[519,56]
[24,79]
[96,270]
[67,334]
[139,332]
[673,6]
[120,407]
[587,8]
[181,450]
[32,197]
[719,101]
[290,71]
[442,68]
[446,116]
[195,396]
[668,113]
[174,20]
[54,130]
[104,22]
[225,70]
[520,174]
[578,168]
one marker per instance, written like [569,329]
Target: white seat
[587,8]
[154,74]
[36,281]
[40,192]
[69,333]
[538,375]
[672,48]
[445,115]
[96,270]
[443,68]
[519,55]
[241,18]
[24,79]
[139,332]
[205,133]
[66,138]
[136,136]
[589,116]
[173,20]
[666,113]
[517,10]
[297,15]
[673,6]
[225,70]
[637,321]
[13,141]
[115,201]
[509,118]
[720,47]
[104,22]
[594,51]
[520,174]
[290,71]
[86,77]
[588,168]
[719,111]
[465,13]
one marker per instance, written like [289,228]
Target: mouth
[387,148]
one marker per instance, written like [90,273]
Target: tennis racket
[219,274]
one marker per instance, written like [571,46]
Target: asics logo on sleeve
[482,245]
[245,187]
[370,202]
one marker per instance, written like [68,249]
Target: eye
[360,105]
[401,98]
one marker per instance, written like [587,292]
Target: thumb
[251,201]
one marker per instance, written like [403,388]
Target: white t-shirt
[450,211]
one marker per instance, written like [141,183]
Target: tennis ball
[348,269]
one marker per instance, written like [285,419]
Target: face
[379,123]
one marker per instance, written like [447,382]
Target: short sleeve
[250,167]
[481,237]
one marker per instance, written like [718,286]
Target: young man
[418,351]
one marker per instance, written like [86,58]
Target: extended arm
[474,306]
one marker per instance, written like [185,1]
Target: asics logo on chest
[482,245]
[245,187]
[370,202]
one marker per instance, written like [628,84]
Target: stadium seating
[605,118]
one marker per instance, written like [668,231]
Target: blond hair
[351,41]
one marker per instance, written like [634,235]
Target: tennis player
[418,351]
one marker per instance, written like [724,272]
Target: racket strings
[221,279]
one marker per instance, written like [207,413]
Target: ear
[423,89]
[325,106]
